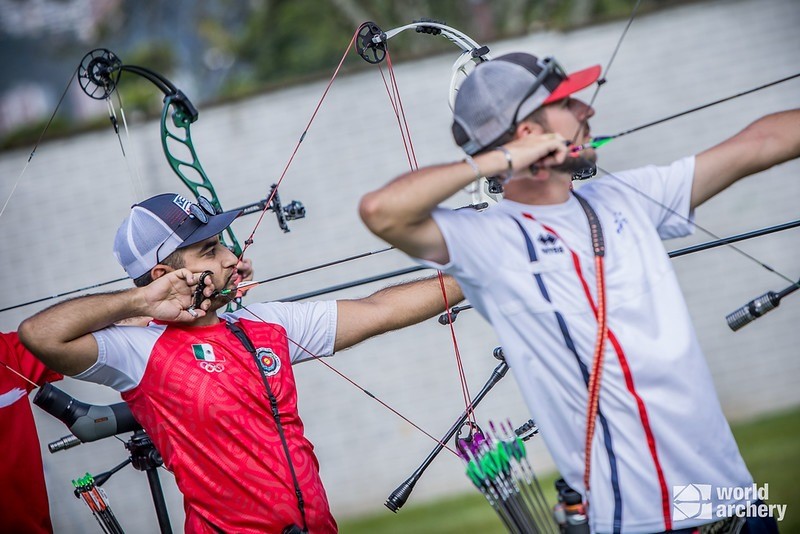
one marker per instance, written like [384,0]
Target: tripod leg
[158,500]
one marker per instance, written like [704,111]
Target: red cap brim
[574,83]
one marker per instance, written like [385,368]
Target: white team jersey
[660,423]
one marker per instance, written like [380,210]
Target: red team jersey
[201,399]
[23,497]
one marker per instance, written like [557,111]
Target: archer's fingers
[556,157]
[245,269]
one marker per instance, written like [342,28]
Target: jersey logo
[269,361]
[548,241]
[204,354]
[620,221]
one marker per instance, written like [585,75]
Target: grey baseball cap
[160,225]
[500,92]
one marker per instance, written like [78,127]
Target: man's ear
[527,128]
[160,270]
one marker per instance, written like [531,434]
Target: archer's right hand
[171,297]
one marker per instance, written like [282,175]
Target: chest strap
[593,404]
[240,334]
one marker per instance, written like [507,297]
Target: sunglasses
[551,75]
[202,212]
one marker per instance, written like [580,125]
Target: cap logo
[182,203]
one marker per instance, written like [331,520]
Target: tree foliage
[222,49]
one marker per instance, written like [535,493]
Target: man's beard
[219,300]
[579,167]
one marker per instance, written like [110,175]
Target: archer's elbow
[375,211]
[29,335]
[35,337]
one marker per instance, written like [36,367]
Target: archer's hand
[545,150]
[245,269]
[170,297]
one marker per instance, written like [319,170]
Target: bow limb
[99,73]
[179,111]
[183,115]
[371,43]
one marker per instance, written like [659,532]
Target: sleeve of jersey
[310,326]
[466,244]
[664,193]
[122,355]
[14,354]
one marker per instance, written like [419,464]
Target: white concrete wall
[56,235]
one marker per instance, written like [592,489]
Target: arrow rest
[371,43]
[99,72]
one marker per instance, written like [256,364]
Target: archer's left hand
[245,269]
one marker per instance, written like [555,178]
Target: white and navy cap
[500,92]
[159,226]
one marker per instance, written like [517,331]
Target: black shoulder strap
[273,401]
[598,242]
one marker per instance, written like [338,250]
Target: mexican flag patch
[204,352]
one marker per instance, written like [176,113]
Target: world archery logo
[268,361]
[692,501]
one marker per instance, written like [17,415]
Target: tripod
[143,457]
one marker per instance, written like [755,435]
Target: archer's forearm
[410,199]
[392,308]
[416,301]
[60,335]
[769,141]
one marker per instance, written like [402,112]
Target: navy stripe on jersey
[562,324]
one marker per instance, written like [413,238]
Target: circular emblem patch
[269,361]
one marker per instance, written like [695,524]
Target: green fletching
[597,143]
[474,473]
[520,451]
[489,465]
[503,458]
